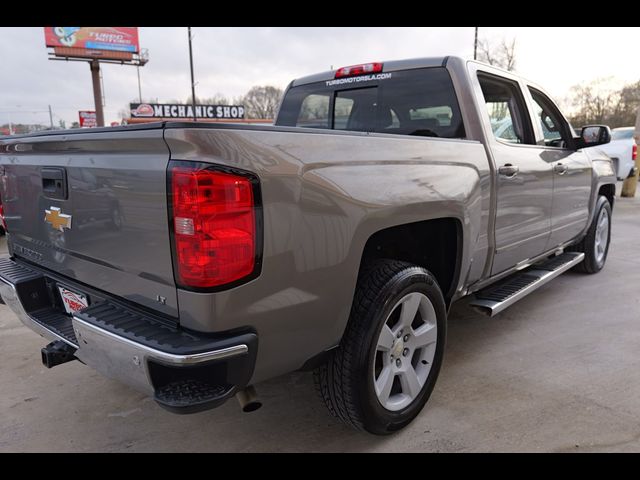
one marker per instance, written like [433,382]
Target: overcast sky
[231,60]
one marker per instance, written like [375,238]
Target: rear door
[92,206]
[523,178]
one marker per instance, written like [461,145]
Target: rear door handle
[508,170]
[560,169]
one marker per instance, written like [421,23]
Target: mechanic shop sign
[176,111]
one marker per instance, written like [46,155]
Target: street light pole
[475,46]
[193,84]
[51,117]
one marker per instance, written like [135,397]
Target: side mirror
[593,135]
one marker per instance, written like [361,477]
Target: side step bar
[496,298]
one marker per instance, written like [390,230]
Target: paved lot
[558,371]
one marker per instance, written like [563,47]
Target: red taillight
[634,152]
[4,222]
[214,226]
[361,69]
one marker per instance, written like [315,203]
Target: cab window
[554,128]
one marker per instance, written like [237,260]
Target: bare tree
[596,102]
[503,56]
[262,102]
[627,107]
[124,113]
[217,99]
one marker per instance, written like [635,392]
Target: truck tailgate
[93,207]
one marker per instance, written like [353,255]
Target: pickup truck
[193,260]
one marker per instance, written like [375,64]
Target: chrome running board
[496,298]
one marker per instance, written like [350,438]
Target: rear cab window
[505,106]
[419,102]
[622,134]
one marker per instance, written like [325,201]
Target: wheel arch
[435,244]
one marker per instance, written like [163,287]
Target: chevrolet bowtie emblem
[58,220]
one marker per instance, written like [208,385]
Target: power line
[24,111]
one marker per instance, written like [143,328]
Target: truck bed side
[325,194]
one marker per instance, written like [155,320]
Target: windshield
[411,102]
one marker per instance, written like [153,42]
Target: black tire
[590,264]
[345,382]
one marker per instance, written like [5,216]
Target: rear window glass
[314,111]
[412,102]
[621,134]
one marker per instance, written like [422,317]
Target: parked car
[244,252]
[623,150]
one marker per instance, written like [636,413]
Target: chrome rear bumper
[133,347]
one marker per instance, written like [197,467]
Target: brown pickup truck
[193,261]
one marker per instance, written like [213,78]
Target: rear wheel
[387,364]
[595,244]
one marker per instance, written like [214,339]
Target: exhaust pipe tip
[248,399]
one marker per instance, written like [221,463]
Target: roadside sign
[87,118]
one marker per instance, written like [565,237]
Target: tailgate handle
[54,182]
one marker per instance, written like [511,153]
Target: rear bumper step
[184,371]
[496,298]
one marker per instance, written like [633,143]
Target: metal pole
[193,85]
[139,87]
[475,46]
[51,117]
[630,184]
[104,101]
[97,91]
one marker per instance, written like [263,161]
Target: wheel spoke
[385,341]
[602,223]
[383,384]
[410,306]
[410,382]
[602,235]
[399,345]
[425,335]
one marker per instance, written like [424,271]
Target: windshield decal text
[360,78]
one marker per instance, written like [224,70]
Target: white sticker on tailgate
[72,301]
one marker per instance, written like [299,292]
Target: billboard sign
[121,39]
[87,118]
[165,110]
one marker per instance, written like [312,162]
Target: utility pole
[51,117]
[475,46]
[97,91]
[193,84]
[139,87]
[104,101]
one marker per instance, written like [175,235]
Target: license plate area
[72,301]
